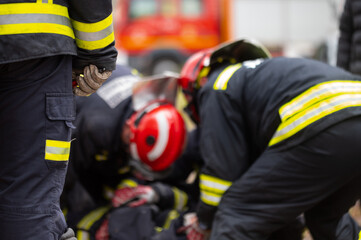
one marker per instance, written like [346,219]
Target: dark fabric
[20,47]
[319,177]
[140,223]
[349,45]
[36,103]
[238,123]
[137,223]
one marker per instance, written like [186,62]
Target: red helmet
[200,64]
[158,136]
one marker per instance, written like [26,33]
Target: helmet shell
[158,135]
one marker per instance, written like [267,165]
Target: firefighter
[43,45]
[120,155]
[279,138]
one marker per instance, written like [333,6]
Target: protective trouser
[36,113]
[320,178]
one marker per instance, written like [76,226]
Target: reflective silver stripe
[94,36]
[212,189]
[318,93]
[25,18]
[210,199]
[57,150]
[34,18]
[214,184]
[310,115]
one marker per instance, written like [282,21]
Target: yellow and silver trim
[317,102]
[212,189]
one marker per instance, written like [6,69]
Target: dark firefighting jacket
[276,103]
[40,28]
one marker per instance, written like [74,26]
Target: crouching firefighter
[125,159]
[279,139]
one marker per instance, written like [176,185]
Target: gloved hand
[88,81]
[103,232]
[68,235]
[134,196]
[192,229]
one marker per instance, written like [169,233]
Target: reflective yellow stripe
[316,103]
[93,45]
[210,198]
[212,189]
[223,78]
[180,199]
[35,28]
[295,124]
[82,235]
[173,214]
[93,27]
[210,182]
[57,150]
[318,93]
[86,223]
[29,8]
[22,18]
[93,36]
[359,236]
[127,183]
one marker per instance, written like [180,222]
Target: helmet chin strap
[146,172]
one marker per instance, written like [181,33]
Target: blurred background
[157,35]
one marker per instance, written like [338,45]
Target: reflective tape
[173,214]
[180,199]
[223,78]
[85,224]
[314,104]
[91,36]
[213,183]
[210,199]
[127,183]
[22,18]
[57,150]
[318,93]
[212,189]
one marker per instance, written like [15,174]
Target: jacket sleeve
[224,150]
[92,23]
[170,197]
[346,31]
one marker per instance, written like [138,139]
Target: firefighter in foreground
[280,137]
[123,181]
[42,44]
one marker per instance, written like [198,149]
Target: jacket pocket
[60,112]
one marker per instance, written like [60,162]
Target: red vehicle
[159,35]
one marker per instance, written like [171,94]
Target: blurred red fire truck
[158,35]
